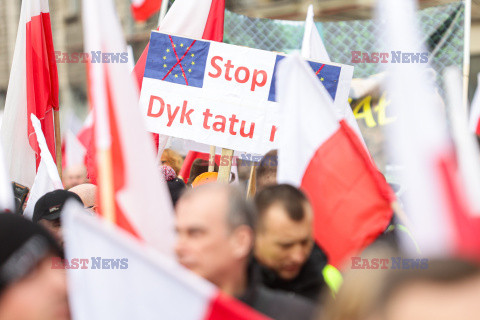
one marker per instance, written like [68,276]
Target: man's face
[74,176]
[55,228]
[205,245]
[282,244]
[41,295]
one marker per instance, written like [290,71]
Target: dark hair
[292,200]
[267,166]
[198,167]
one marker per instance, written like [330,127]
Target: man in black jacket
[285,253]
[214,224]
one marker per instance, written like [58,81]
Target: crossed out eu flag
[183,61]
[176,59]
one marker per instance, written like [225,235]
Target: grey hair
[240,211]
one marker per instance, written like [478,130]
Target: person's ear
[243,238]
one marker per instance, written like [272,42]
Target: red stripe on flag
[42,80]
[147,9]
[350,211]
[224,307]
[478,128]
[466,225]
[118,167]
[215,21]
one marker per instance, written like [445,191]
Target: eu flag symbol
[176,59]
[327,74]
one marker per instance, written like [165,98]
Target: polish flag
[435,197]
[142,284]
[194,19]
[475,110]
[313,48]
[142,10]
[32,89]
[322,155]
[47,178]
[131,192]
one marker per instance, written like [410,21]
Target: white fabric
[47,178]
[186,18]
[144,199]
[416,142]
[74,150]
[151,287]
[306,111]
[6,193]
[19,156]
[313,48]
[475,108]
[468,154]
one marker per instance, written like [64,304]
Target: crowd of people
[260,251]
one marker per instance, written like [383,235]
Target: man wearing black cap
[30,289]
[48,209]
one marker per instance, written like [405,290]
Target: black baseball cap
[23,245]
[50,205]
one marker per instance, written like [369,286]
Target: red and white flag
[47,178]
[143,9]
[32,89]
[322,155]
[131,192]
[139,283]
[475,110]
[313,48]
[435,197]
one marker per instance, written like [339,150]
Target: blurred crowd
[260,250]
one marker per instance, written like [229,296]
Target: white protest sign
[220,94]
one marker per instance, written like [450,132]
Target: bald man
[88,194]
[74,175]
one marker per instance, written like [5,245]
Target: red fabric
[147,9]
[478,128]
[350,198]
[215,22]
[42,80]
[224,307]
[117,165]
[192,156]
[466,225]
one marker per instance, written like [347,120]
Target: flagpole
[211,159]
[252,182]
[466,53]
[58,142]
[224,170]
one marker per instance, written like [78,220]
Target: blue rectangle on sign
[327,74]
[176,59]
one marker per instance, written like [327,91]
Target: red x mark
[320,69]
[179,60]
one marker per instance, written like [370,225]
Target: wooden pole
[58,142]
[211,159]
[224,170]
[252,182]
